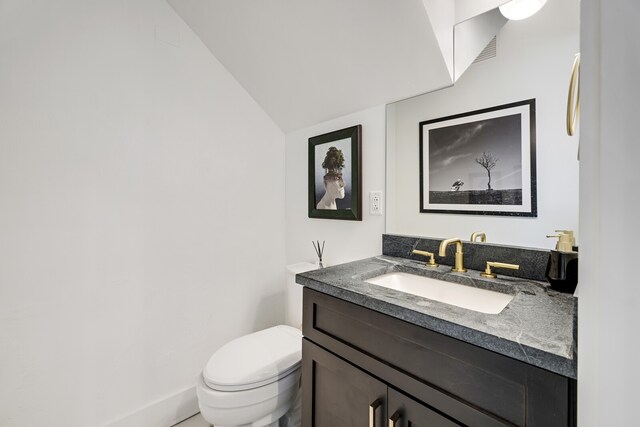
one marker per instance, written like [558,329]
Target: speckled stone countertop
[537,327]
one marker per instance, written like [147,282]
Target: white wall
[608,315]
[141,212]
[534,61]
[345,240]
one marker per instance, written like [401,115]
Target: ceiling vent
[488,52]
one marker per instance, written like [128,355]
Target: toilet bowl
[254,380]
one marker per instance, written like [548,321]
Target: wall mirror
[533,61]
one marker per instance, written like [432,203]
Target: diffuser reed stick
[319,251]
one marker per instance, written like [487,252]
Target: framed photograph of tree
[480,163]
[335,175]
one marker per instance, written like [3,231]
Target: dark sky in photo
[453,150]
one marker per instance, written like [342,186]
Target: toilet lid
[255,360]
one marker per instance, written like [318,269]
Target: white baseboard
[163,413]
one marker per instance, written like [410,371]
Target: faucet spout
[447,242]
[459,264]
[481,234]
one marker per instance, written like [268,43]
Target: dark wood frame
[532,142]
[355,211]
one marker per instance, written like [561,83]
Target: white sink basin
[481,300]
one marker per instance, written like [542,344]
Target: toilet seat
[255,360]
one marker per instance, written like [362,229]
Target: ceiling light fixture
[521,9]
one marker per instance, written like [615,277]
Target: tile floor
[195,421]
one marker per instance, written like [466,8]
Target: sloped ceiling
[309,61]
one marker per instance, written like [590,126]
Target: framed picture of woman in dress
[335,177]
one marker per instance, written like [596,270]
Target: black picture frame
[450,145]
[348,141]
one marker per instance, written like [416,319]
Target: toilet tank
[294,293]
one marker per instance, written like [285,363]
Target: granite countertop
[537,327]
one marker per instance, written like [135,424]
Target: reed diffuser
[319,251]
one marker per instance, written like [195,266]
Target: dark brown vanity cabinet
[361,367]
[345,396]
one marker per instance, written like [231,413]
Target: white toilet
[254,380]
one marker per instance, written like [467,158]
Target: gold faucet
[480,234]
[459,266]
[432,262]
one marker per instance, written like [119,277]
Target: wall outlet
[375,202]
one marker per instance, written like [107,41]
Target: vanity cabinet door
[406,412]
[337,394]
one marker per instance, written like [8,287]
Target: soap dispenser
[572,237]
[562,268]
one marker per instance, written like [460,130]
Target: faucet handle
[432,262]
[488,273]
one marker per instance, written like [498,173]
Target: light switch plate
[375,202]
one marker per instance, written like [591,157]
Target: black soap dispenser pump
[562,268]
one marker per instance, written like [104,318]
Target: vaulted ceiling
[308,61]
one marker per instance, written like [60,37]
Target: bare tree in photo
[487,161]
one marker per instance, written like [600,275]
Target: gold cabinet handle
[488,273]
[372,412]
[393,421]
